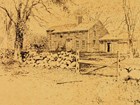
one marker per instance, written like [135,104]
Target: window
[93,43]
[77,44]
[94,33]
[61,36]
[83,43]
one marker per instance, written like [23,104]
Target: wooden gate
[99,63]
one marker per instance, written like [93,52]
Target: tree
[20,14]
[130,19]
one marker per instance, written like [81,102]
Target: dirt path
[60,87]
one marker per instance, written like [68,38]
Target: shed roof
[123,36]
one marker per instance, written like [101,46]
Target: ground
[40,86]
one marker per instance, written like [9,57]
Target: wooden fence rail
[98,64]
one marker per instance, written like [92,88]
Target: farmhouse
[83,36]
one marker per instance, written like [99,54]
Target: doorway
[69,44]
[108,47]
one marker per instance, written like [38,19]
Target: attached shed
[112,44]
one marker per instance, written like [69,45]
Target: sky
[112,10]
[109,9]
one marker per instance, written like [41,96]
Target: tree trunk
[18,43]
[131,55]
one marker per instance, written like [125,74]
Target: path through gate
[97,62]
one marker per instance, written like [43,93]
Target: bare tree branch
[15,5]
[25,9]
[106,22]
[28,12]
[98,15]
[26,5]
[122,23]
[8,14]
[45,7]
[74,3]
[39,18]
[130,20]
[19,11]
[135,21]
[36,18]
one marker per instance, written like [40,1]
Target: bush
[6,53]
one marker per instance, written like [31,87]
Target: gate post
[118,63]
[77,62]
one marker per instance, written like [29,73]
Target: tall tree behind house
[130,19]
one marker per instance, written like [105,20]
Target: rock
[135,74]
[59,59]
[73,64]
[123,73]
[62,59]
[63,66]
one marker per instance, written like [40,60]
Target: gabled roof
[62,28]
[72,27]
[84,26]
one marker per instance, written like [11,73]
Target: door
[69,44]
[108,47]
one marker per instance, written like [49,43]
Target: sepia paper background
[27,85]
